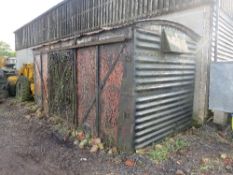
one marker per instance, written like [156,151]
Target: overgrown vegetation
[5,50]
[161,152]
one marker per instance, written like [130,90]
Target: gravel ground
[30,147]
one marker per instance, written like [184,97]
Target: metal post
[42,81]
[75,88]
[97,91]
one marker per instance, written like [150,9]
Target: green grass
[205,168]
[161,152]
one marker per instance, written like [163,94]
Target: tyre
[23,89]
[11,90]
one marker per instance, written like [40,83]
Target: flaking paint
[86,87]
[111,93]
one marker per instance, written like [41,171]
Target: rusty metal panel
[104,85]
[38,79]
[41,80]
[73,17]
[44,82]
[164,85]
[86,84]
[111,92]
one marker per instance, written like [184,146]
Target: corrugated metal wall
[74,17]
[225,38]
[227,6]
[222,43]
[164,88]
[214,34]
[86,86]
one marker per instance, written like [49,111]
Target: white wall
[24,56]
[198,20]
[195,18]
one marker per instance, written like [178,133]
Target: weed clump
[161,152]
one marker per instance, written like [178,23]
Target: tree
[5,50]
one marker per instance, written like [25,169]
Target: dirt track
[29,147]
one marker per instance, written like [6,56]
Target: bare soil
[29,146]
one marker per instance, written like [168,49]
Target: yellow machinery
[22,85]
[2,62]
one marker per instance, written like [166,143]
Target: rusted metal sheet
[44,82]
[76,17]
[38,78]
[111,93]
[41,80]
[86,84]
[103,86]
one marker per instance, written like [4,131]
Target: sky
[16,13]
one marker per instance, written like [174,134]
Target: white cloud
[16,13]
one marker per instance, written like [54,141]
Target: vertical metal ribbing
[217,5]
[222,45]
[109,13]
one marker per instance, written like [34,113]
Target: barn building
[130,71]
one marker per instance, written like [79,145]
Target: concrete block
[220,118]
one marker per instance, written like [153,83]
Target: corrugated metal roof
[75,17]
